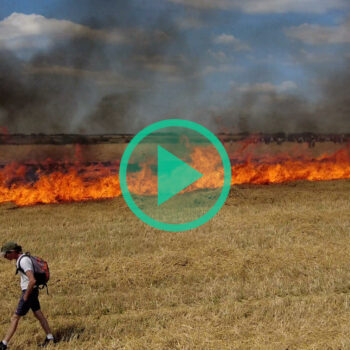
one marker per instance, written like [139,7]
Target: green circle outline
[161,125]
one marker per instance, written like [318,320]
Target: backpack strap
[19,264]
[43,286]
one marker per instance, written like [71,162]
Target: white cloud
[219,56]
[21,31]
[221,68]
[228,39]
[189,23]
[268,6]
[287,85]
[267,87]
[162,67]
[315,34]
[316,57]
[225,39]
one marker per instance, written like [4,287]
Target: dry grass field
[270,271]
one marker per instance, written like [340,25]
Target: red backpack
[41,270]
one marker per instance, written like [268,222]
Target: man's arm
[31,284]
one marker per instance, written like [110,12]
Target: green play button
[174,175]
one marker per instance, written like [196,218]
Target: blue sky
[191,59]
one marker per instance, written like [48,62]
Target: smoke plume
[119,71]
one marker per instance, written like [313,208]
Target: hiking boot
[3,346]
[47,342]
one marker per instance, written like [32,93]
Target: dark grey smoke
[334,109]
[273,111]
[89,86]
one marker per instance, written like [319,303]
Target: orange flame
[58,186]
[52,183]
[325,167]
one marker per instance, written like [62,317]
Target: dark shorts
[32,303]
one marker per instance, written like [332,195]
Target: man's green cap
[8,247]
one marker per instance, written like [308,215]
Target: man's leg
[13,326]
[22,310]
[43,321]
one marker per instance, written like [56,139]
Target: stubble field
[270,271]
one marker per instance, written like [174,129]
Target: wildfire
[325,167]
[23,186]
[56,183]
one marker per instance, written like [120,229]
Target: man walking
[30,293]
